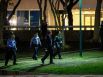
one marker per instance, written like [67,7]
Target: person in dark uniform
[11,50]
[43,29]
[43,33]
[101,34]
[49,47]
[35,43]
[58,44]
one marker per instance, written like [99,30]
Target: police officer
[43,29]
[43,33]
[35,43]
[58,44]
[11,49]
[49,47]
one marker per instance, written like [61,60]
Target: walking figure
[58,45]
[43,33]
[49,47]
[11,49]
[35,43]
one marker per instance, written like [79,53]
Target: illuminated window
[22,18]
[13,20]
[87,19]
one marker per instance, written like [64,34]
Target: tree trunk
[97,21]
[70,19]
[40,7]
[3,20]
[3,15]
[53,11]
[44,12]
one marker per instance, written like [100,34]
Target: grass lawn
[72,63]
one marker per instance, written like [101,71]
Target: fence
[49,27]
[72,37]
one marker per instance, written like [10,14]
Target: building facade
[28,14]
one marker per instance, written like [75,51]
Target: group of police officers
[48,45]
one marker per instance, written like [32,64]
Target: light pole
[81,39]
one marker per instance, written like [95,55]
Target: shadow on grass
[36,67]
[3,67]
[3,70]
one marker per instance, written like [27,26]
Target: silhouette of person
[58,45]
[43,33]
[49,47]
[43,28]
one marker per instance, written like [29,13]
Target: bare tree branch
[40,7]
[63,3]
[39,3]
[53,10]
[75,2]
[44,12]
[14,9]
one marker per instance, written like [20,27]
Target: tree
[68,6]
[3,15]
[54,8]
[97,20]
[43,18]
[3,11]
[42,10]
[55,4]
[13,12]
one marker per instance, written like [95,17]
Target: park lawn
[72,63]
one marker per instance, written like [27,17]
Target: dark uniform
[49,47]
[58,45]
[11,50]
[101,35]
[43,33]
[44,29]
